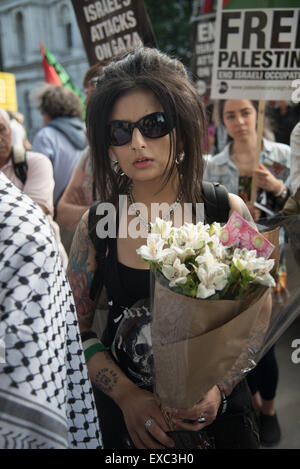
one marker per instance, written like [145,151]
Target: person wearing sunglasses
[147,119]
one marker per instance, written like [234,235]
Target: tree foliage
[171,25]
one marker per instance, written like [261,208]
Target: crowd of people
[145,136]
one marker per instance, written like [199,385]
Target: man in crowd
[46,401]
[62,138]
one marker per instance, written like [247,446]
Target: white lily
[215,229]
[182,254]
[266,280]
[217,248]
[152,251]
[168,256]
[213,278]
[247,260]
[213,275]
[257,267]
[203,292]
[162,227]
[176,273]
[187,240]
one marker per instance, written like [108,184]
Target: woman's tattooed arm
[108,377]
[81,269]
[106,380]
[103,369]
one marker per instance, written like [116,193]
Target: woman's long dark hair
[167,79]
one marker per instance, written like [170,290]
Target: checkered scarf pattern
[46,399]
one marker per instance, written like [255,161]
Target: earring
[180,157]
[117,168]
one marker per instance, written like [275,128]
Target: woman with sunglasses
[145,127]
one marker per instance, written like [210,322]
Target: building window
[69,37]
[66,24]
[20,35]
[28,116]
[1,51]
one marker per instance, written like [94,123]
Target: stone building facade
[24,24]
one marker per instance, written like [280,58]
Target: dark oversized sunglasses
[152,126]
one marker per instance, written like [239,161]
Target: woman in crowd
[147,118]
[235,167]
[36,181]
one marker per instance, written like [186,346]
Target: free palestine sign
[257,49]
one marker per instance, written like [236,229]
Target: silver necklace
[145,223]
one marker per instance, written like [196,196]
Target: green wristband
[95,348]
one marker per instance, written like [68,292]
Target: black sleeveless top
[128,329]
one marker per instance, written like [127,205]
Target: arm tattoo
[79,249]
[80,275]
[106,380]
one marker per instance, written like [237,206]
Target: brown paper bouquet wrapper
[273,236]
[197,342]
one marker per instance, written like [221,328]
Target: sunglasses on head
[151,126]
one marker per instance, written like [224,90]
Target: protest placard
[8,94]
[110,28]
[257,50]
[203,40]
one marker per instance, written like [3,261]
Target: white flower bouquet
[211,284]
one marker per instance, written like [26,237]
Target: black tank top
[128,330]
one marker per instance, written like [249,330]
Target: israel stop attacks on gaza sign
[257,50]
[110,28]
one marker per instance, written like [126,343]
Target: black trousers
[264,377]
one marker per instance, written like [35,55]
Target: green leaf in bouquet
[212,229]
[249,291]
[234,273]
[190,262]
[154,267]
[233,281]
[233,287]
[190,287]
[223,294]
[246,278]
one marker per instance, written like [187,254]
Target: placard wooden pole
[216,114]
[259,131]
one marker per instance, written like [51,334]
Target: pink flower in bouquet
[237,232]
[255,241]
[230,236]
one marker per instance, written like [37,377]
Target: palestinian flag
[208,6]
[55,74]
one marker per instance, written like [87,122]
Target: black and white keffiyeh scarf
[46,399]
